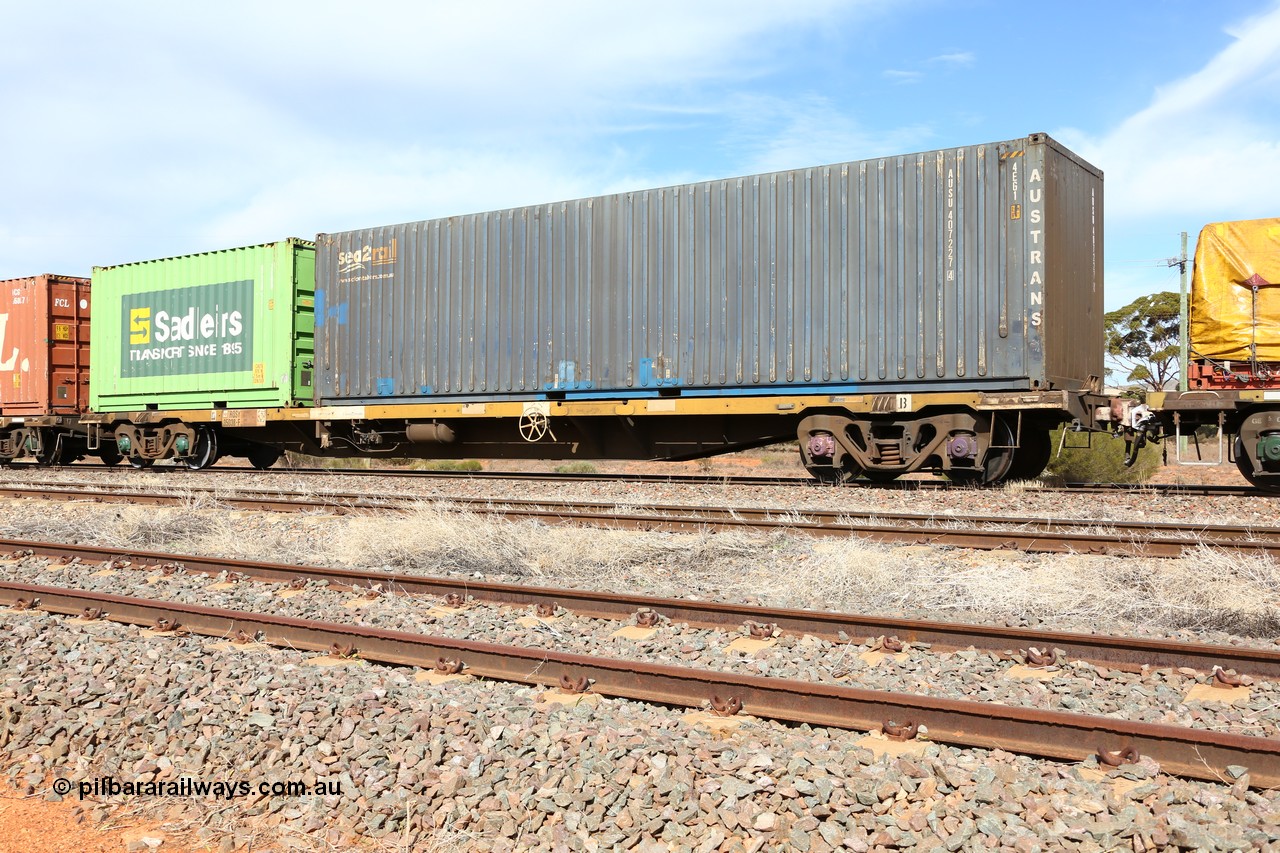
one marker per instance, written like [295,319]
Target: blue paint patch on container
[649,378]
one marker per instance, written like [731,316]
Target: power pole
[1183,319]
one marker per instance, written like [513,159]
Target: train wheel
[1031,457]
[110,454]
[996,465]
[832,476]
[205,453]
[50,449]
[263,457]
[139,463]
[1267,482]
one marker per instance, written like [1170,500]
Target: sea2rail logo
[202,329]
[366,257]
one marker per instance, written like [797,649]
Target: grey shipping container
[964,269]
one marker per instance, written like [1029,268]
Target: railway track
[1195,753]
[1042,535]
[680,479]
[1125,653]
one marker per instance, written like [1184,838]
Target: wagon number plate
[244,417]
[892,403]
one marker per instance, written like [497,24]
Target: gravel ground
[1155,696]
[472,765]
[632,775]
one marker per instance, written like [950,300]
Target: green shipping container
[228,329]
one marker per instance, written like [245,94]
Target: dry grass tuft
[1210,589]
[427,539]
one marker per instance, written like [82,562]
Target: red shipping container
[44,346]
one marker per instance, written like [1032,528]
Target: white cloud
[957,58]
[777,133]
[945,62]
[1207,145]
[1205,149]
[899,76]
[166,128]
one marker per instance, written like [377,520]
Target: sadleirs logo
[366,257]
[140,326]
[203,329]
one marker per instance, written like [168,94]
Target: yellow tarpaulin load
[1231,258]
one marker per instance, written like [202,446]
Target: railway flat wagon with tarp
[1233,365]
[194,357]
[44,367]
[939,310]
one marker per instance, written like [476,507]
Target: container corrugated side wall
[901,273]
[200,331]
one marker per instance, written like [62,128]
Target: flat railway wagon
[933,311]
[44,370]
[1233,369]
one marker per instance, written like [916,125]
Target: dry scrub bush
[431,540]
[22,521]
[1213,589]
[266,537]
[426,539]
[656,563]
[1101,462]
[1209,589]
[119,526]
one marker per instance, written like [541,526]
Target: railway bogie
[144,438]
[969,446]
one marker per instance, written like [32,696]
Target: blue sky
[141,130]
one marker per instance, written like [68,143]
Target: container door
[304,324]
[68,346]
[24,374]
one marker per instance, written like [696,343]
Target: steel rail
[1124,653]
[373,500]
[1022,533]
[1182,751]
[692,479]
